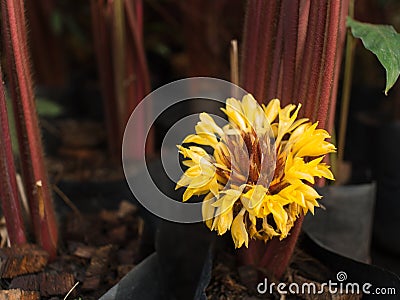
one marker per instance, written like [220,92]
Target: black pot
[179,269]
[344,224]
[356,272]
[147,281]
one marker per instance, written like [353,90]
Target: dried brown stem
[234,61]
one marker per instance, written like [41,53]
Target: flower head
[257,179]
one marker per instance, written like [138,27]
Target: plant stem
[279,253]
[261,25]
[11,205]
[100,14]
[50,68]
[122,67]
[29,139]
[137,69]
[119,41]
[292,49]
[234,61]
[345,101]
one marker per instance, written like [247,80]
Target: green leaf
[384,42]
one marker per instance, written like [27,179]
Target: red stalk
[328,69]
[341,36]
[50,69]
[290,9]
[139,87]
[11,205]
[139,16]
[304,13]
[21,91]
[271,86]
[321,104]
[259,41]
[250,38]
[302,65]
[135,24]
[118,56]
[312,57]
[277,254]
[134,91]
[102,47]
[123,70]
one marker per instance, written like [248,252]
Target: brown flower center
[250,159]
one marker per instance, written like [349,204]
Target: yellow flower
[257,178]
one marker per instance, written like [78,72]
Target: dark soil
[97,250]
[77,151]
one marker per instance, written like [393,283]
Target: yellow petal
[199,182]
[214,187]
[268,229]
[279,214]
[222,167]
[208,210]
[194,153]
[222,222]
[239,232]
[209,122]
[194,171]
[183,181]
[297,123]
[189,163]
[249,108]
[286,120]
[187,194]
[203,139]
[272,110]
[325,172]
[234,112]
[312,142]
[227,201]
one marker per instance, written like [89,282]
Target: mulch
[96,251]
